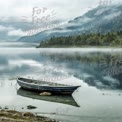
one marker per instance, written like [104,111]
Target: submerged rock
[28,114]
[45,94]
[31,107]
[6,107]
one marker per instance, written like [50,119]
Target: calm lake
[97,70]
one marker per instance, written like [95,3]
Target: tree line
[92,39]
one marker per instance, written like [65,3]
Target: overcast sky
[63,8]
[22,10]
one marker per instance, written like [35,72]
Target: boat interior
[44,83]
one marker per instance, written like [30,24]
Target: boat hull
[53,90]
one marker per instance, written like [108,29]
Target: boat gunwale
[62,85]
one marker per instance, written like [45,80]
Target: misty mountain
[101,19]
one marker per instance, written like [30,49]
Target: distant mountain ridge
[102,19]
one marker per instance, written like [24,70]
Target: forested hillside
[93,39]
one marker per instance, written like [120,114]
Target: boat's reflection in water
[64,99]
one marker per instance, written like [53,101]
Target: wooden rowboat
[44,86]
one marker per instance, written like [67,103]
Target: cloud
[113,15]
[65,9]
[4,28]
[17,32]
[102,10]
[11,31]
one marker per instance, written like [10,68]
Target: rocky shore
[15,116]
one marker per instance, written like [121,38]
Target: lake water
[98,71]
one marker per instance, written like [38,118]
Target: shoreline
[16,116]
[80,47]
